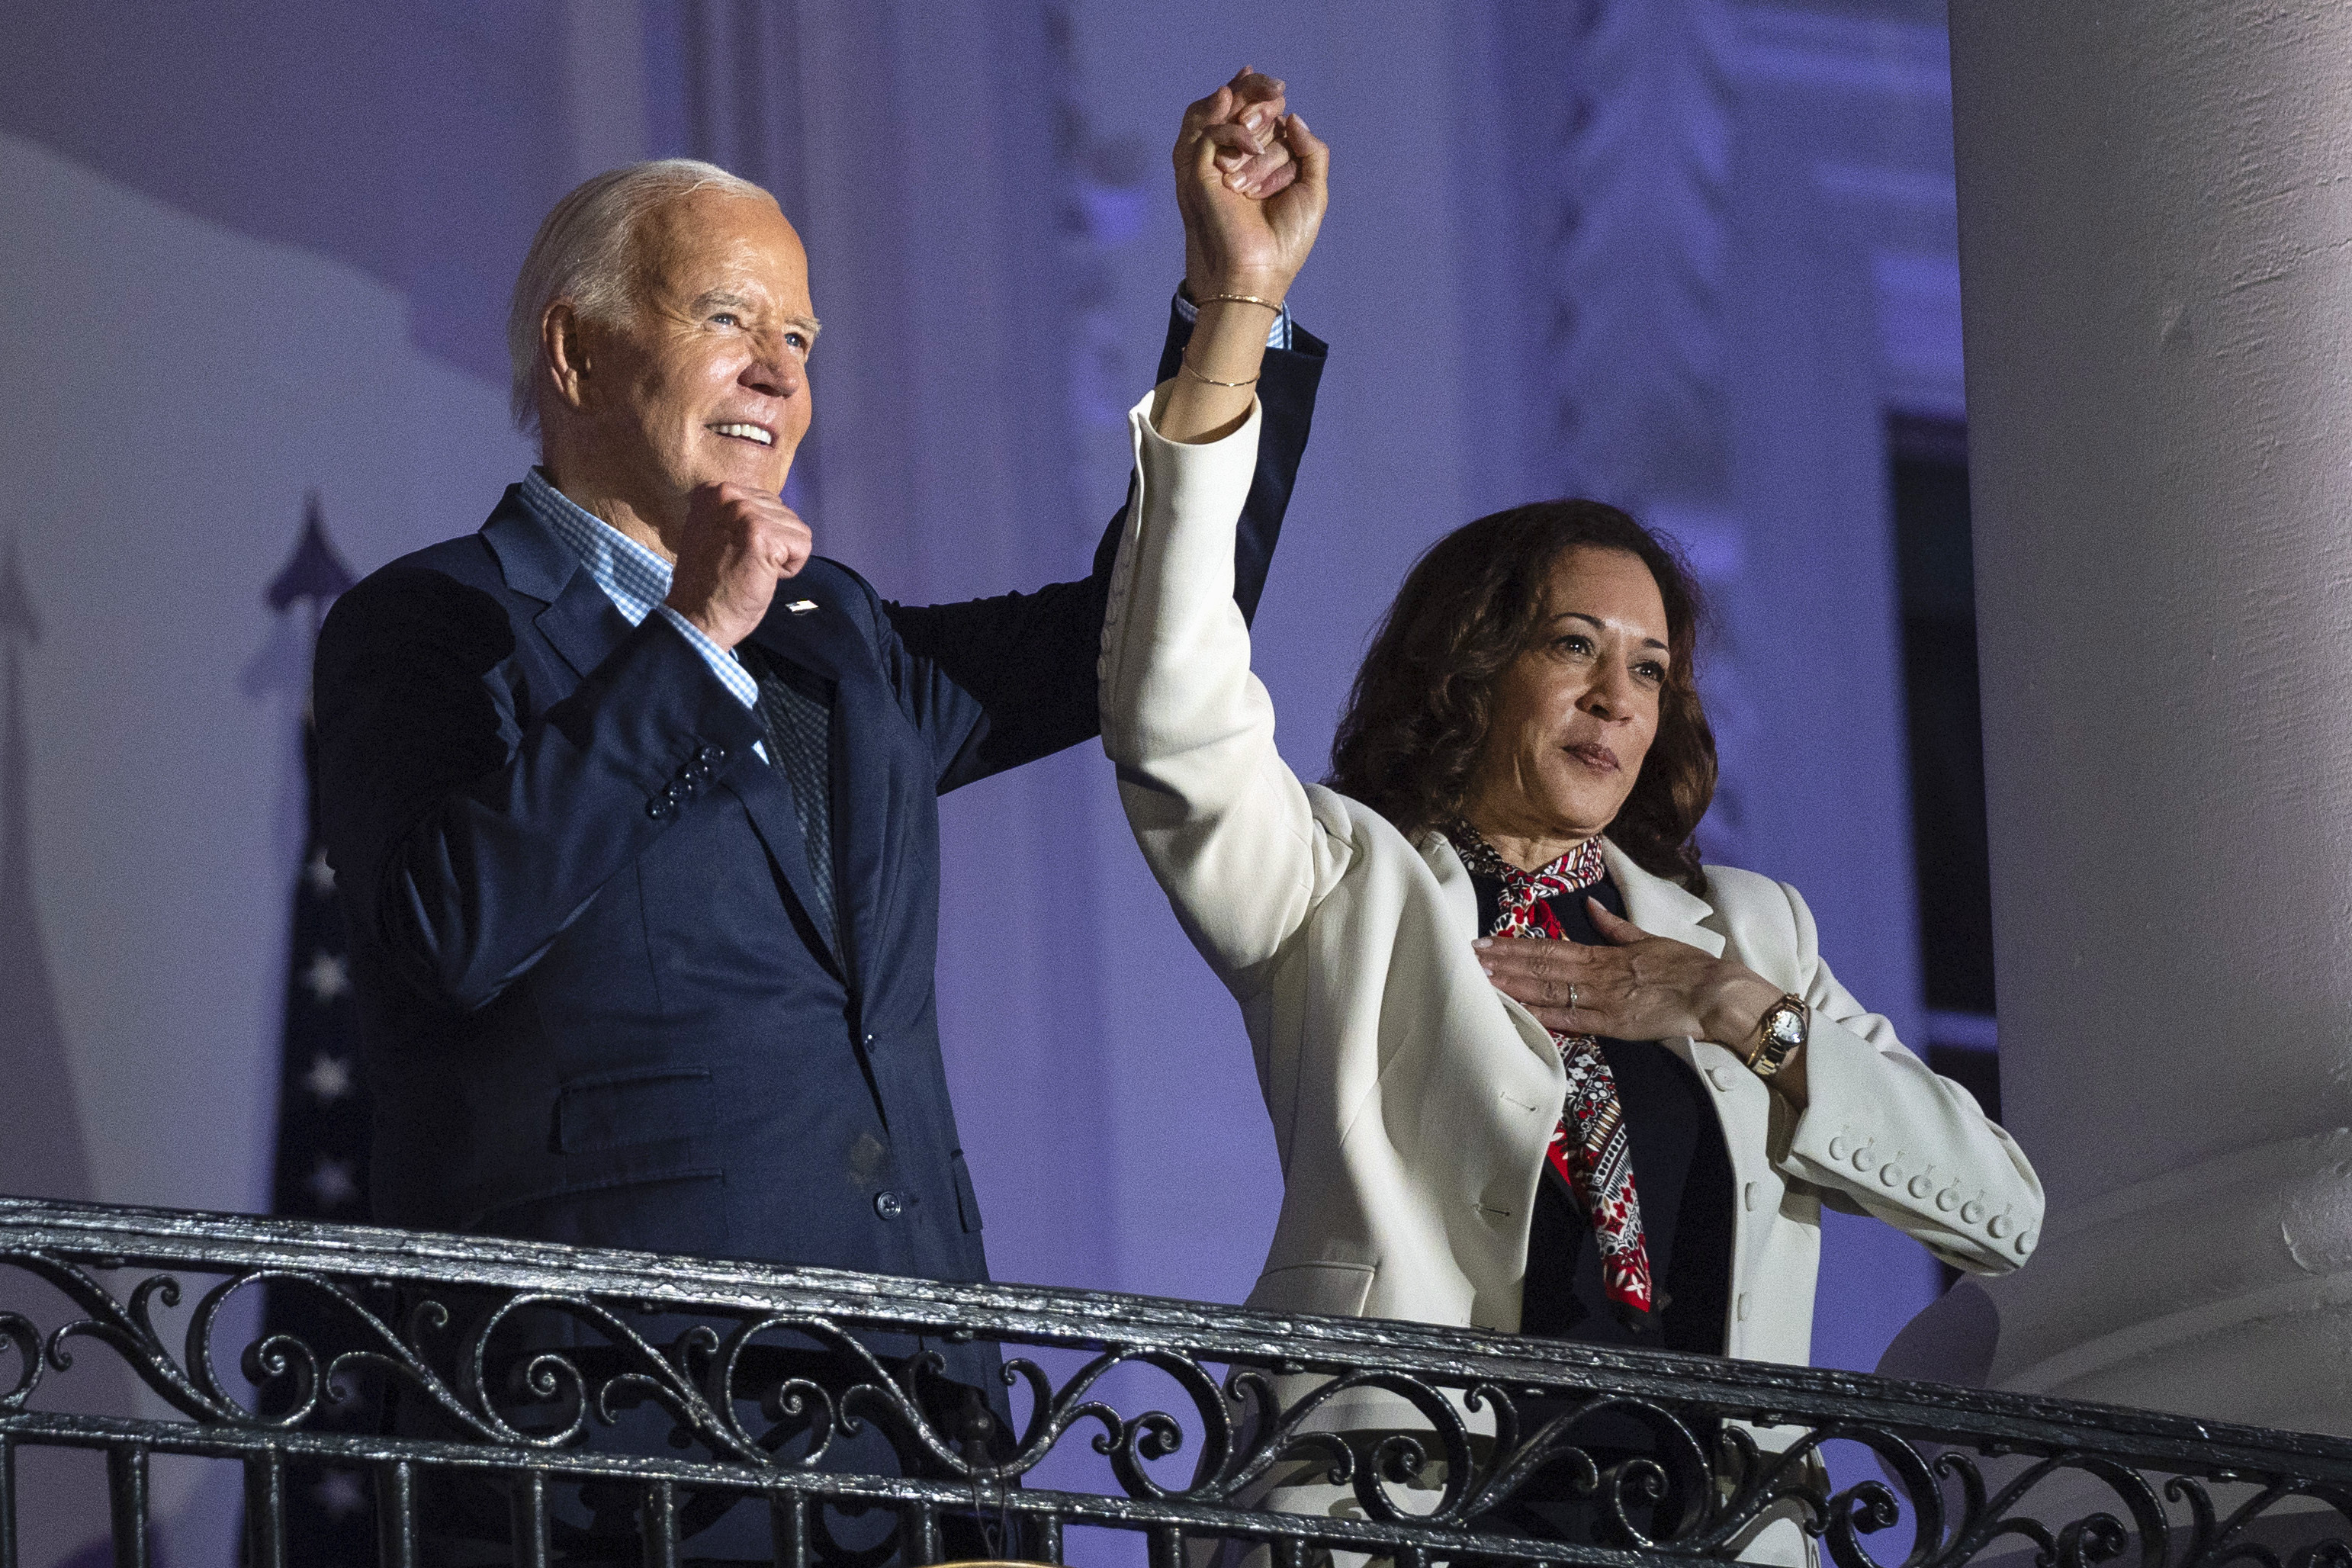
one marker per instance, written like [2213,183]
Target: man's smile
[745,432]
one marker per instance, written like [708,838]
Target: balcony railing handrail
[150,1237]
[1915,1427]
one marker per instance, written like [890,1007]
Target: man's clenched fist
[739,544]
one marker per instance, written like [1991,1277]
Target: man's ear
[565,354]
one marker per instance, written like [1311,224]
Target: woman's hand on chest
[1639,987]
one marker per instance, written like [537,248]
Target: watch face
[1785,1027]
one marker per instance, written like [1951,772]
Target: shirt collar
[634,577]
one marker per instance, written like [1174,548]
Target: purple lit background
[1681,253]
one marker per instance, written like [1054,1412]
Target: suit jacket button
[889,1206]
[1971,1212]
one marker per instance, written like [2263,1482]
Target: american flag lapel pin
[802,606]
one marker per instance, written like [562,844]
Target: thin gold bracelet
[1274,305]
[1186,366]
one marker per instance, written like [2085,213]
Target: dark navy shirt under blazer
[594,1005]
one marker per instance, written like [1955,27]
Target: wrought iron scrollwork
[772,1373]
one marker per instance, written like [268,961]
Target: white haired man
[640,854]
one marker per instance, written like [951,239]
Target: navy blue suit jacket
[588,1018]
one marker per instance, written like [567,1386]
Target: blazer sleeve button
[889,1206]
[1889,1173]
[1971,1212]
[2000,1226]
[1947,1200]
[1837,1148]
[1921,1186]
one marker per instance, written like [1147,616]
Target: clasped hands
[1639,987]
[1248,237]
[1250,188]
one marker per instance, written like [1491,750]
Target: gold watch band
[1776,1040]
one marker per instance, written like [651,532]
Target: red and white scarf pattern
[1589,1149]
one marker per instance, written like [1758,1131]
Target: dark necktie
[798,743]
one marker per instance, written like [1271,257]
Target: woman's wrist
[1736,1011]
[1207,285]
[1216,386]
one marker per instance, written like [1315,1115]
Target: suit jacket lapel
[584,627]
[580,622]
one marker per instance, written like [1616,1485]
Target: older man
[631,798]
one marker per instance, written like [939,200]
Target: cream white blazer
[1410,1100]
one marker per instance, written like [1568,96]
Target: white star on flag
[327,976]
[332,1184]
[319,875]
[330,1077]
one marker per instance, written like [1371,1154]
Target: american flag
[322,1110]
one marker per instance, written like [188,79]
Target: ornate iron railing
[1659,1451]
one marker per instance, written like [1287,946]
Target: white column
[2157,272]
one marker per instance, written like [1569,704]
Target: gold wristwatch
[1780,1032]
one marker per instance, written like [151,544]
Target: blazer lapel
[1461,904]
[580,622]
[1657,905]
[1660,907]
[584,627]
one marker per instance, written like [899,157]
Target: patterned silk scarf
[1588,1148]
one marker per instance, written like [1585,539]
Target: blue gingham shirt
[634,578]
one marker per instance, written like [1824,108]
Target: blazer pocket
[1332,1290]
[616,1109]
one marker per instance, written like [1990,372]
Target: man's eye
[798,342]
[725,318]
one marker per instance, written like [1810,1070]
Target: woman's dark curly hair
[1410,738]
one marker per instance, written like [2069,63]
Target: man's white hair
[585,253]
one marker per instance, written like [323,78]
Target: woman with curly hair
[1532,1067]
